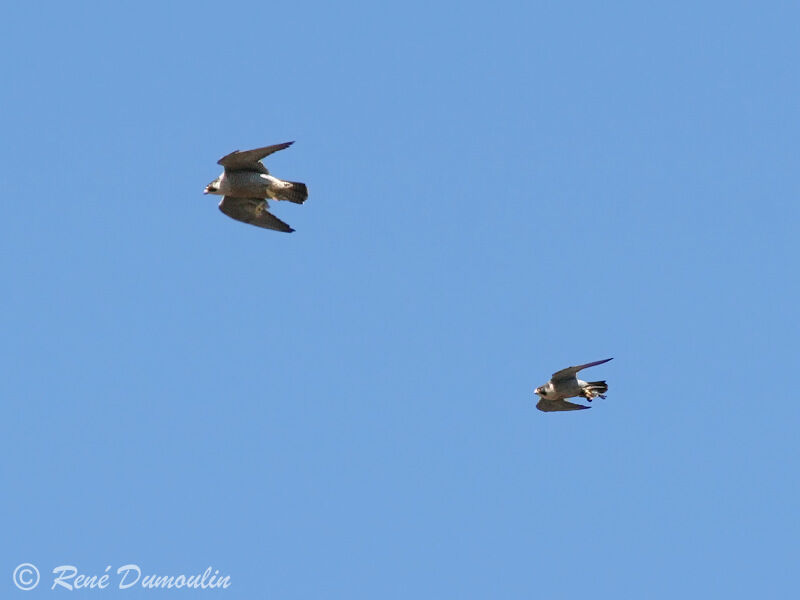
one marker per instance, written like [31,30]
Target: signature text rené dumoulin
[68,577]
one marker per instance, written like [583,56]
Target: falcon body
[246,184]
[565,384]
[251,184]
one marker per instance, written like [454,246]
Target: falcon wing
[253,211]
[250,160]
[570,372]
[558,405]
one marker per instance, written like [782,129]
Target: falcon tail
[295,192]
[597,387]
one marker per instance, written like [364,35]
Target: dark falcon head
[213,187]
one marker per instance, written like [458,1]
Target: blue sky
[496,192]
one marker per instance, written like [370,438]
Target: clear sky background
[497,191]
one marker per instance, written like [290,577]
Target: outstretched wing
[556,405]
[253,211]
[570,372]
[249,160]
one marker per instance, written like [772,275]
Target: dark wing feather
[249,160]
[558,405]
[570,372]
[253,211]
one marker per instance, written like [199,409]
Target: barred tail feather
[601,387]
[294,192]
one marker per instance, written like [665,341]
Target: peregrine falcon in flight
[565,384]
[246,184]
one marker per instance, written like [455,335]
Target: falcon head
[541,391]
[213,187]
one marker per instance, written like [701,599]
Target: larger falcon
[246,184]
[565,384]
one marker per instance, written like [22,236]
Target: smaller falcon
[565,384]
[246,184]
